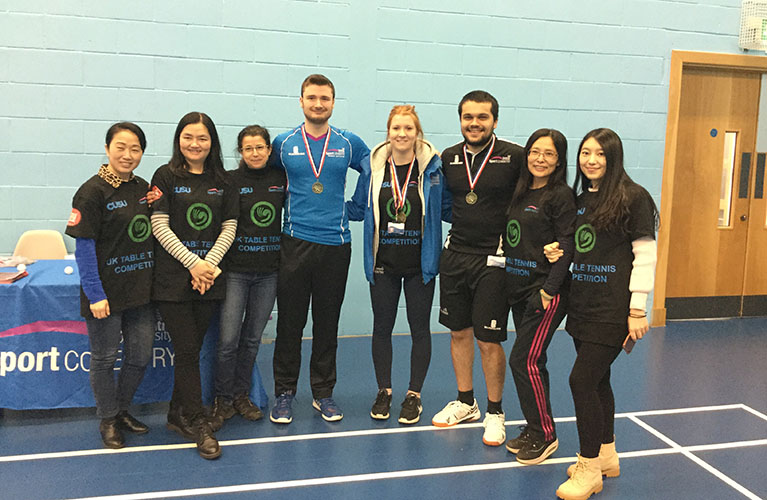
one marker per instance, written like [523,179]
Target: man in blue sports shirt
[316,247]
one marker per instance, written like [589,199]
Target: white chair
[41,244]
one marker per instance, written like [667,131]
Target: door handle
[744,218]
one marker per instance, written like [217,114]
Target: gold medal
[471,197]
[317,188]
[401,217]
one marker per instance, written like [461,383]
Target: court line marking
[433,471]
[705,465]
[755,412]
[339,434]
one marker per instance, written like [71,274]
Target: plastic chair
[41,244]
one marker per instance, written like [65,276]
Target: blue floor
[691,401]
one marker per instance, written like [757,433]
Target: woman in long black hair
[613,272]
[194,220]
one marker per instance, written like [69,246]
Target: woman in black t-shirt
[613,271]
[400,204]
[194,219]
[251,273]
[542,210]
[110,221]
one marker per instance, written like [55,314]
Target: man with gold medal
[481,174]
[316,247]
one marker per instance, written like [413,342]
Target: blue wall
[69,69]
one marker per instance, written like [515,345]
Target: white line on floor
[687,453]
[356,478]
[340,434]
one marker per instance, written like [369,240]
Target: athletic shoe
[516,444]
[328,408]
[495,429]
[411,409]
[282,413]
[245,407]
[585,481]
[456,412]
[536,451]
[380,409]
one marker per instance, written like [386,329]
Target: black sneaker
[380,410]
[411,410]
[514,445]
[536,451]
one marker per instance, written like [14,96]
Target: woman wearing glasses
[542,210]
[251,279]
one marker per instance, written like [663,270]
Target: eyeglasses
[250,149]
[547,155]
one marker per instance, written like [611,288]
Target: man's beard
[484,139]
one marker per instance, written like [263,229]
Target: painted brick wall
[70,69]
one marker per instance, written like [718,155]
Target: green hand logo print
[139,228]
[585,238]
[262,213]
[391,212]
[199,216]
[513,233]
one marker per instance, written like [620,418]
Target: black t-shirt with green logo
[602,264]
[400,253]
[197,205]
[531,225]
[261,196]
[118,220]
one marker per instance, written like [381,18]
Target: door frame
[681,59]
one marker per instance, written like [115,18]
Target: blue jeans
[252,295]
[136,326]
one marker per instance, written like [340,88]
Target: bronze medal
[317,188]
[401,217]
[471,197]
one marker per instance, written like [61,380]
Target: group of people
[517,230]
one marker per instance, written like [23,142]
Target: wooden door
[709,266]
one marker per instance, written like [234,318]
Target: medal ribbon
[473,182]
[309,152]
[398,193]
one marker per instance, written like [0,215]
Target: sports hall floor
[692,423]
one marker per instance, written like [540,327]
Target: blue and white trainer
[282,412]
[328,408]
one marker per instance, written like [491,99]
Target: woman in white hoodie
[400,203]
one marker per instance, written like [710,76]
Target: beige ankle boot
[585,481]
[608,461]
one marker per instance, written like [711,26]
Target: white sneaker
[456,412]
[585,481]
[495,429]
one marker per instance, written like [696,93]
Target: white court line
[757,413]
[687,453]
[340,434]
[356,478]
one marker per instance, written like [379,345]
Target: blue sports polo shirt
[308,215]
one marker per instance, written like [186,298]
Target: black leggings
[593,395]
[384,296]
[187,323]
